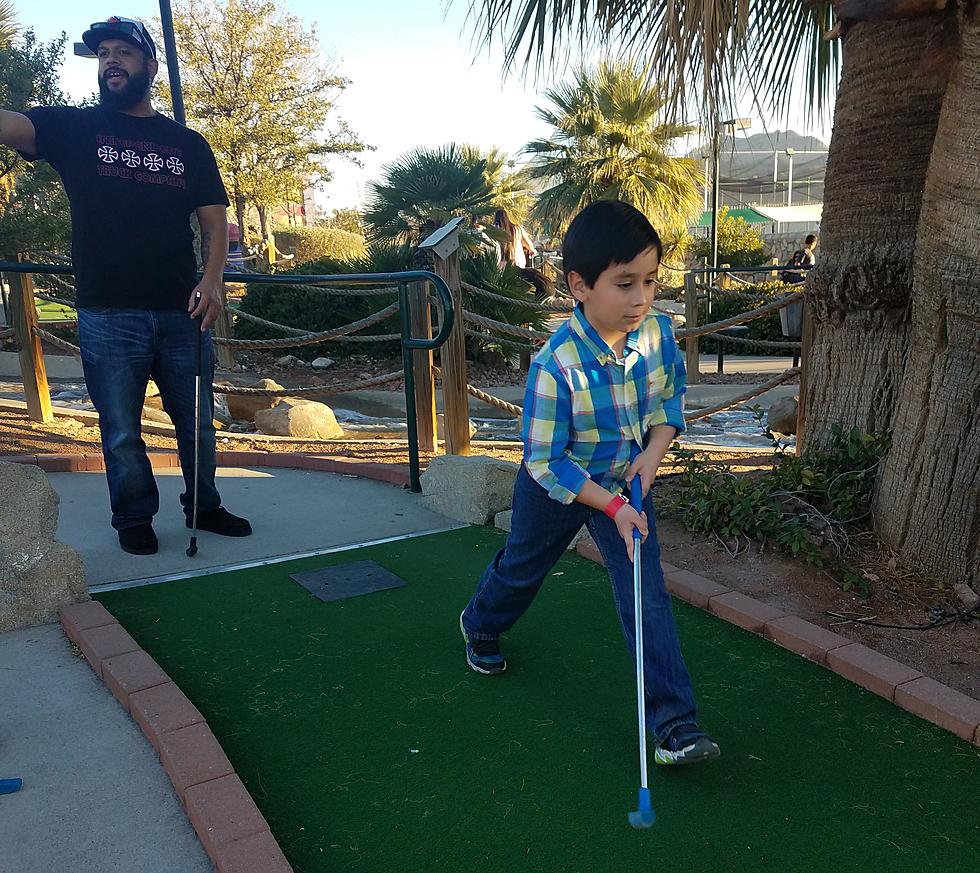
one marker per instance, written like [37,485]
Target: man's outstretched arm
[17,131]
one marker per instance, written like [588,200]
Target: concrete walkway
[291,511]
[95,796]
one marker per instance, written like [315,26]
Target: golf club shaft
[636,501]
[197,426]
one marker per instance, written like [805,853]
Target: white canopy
[808,213]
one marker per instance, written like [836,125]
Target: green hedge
[318,310]
[316,243]
[766,328]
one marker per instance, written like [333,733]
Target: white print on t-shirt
[142,153]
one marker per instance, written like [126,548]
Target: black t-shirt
[133,183]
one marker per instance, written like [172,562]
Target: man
[133,178]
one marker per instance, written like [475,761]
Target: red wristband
[614,505]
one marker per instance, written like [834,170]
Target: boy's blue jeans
[121,350]
[541,529]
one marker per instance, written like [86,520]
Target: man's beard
[136,88]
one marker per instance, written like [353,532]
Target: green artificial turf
[369,745]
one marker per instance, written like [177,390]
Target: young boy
[607,387]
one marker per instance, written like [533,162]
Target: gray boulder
[441,427]
[243,407]
[469,489]
[783,414]
[38,576]
[299,418]
[502,520]
[322,363]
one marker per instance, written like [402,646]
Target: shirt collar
[596,344]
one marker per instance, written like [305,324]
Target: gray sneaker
[483,656]
[687,744]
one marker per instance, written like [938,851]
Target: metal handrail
[408,342]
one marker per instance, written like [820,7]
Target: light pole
[789,186]
[733,123]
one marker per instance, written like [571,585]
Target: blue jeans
[121,350]
[541,529]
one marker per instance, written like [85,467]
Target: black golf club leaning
[192,548]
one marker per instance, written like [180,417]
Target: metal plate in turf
[348,580]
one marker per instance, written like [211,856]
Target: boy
[606,387]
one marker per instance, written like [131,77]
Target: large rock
[38,576]
[783,415]
[299,418]
[242,407]
[502,520]
[441,427]
[470,489]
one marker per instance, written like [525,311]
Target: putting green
[369,745]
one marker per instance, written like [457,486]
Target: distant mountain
[748,162]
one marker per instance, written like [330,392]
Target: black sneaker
[687,744]
[221,521]
[483,655]
[139,539]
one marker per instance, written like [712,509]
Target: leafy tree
[254,87]
[348,219]
[610,140]
[739,243]
[34,211]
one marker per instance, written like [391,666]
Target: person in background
[517,248]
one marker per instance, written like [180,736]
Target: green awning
[746,212]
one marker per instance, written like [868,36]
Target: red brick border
[394,474]
[231,828]
[920,695]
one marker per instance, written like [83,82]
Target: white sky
[416,78]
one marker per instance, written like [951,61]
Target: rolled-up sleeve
[547,418]
[670,409]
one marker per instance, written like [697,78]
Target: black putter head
[192,548]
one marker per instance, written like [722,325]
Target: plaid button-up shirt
[584,410]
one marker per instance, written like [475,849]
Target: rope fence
[758,390]
[338,388]
[489,399]
[57,341]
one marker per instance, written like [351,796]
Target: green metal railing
[409,343]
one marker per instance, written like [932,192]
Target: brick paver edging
[234,833]
[395,474]
[891,679]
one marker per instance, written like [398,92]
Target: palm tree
[425,188]
[893,300]
[8,19]
[609,141]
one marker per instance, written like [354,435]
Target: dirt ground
[950,654]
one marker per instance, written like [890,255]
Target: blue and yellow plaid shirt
[584,410]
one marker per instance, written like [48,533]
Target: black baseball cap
[117,27]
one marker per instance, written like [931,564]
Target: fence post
[444,245]
[223,329]
[425,384]
[24,316]
[809,330]
[692,349]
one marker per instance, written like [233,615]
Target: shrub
[319,310]
[316,243]
[745,298]
[739,243]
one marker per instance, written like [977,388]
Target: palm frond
[709,52]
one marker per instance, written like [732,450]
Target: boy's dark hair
[606,232]
[810,239]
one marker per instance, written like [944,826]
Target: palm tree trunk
[240,215]
[859,293]
[928,500]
